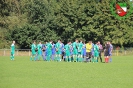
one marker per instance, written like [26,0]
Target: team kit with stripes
[77,51]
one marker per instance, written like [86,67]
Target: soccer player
[12,50]
[88,51]
[49,50]
[71,50]
[100,50]
[110,51]
[75,50]
[106,52]
[44,51]
[53,51]
[62,50]
[39,53]
[92,53]
[96,52]
[80,53]
[58,50]
[84,51]
[67,52]
[33,52]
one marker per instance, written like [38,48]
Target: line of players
[77,51]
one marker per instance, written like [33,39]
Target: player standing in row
[62,50]
[33,51]
[75,50]
[67,50]
[96,53]
[53,51]
[12,50]
[44,52]
[58,51]
[80,51]
[49,51]
[106,52]
[39,52]
[110,52]
[100,50]
[84,51]
[89,47]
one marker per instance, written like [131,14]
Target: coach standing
[100,50]
[106,52]
[88,51]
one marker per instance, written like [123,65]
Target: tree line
[45,20]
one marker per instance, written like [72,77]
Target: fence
[18,52]
[27,52]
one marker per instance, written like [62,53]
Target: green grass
[23,73]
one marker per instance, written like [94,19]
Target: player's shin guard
[31,58]
[12,57]
[110,59]
[48,59]
[75,58]
[69,58]
[53,56]
[59,57]
[105,60]
[92,59]
[38,57]
[81,58]
[84,59]
[66,59]
[96,60]
[78,58]
[56,57]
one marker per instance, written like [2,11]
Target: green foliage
[25,35]
[65,19]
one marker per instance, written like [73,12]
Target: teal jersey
[67,49]
[80,47]
[75,45]
[49,46]
[13,48]
[39,47]
[96,50]
[58,48]
[58,45]
[75,48]
[33,49]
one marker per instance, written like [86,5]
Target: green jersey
[96,49]
[33,49]
[39,47]
[67,49]
[58,48]
[80,47]
[49,48]
[12,48]
[75,48]
[75,45]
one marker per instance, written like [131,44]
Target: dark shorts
[106,53]
[88,54]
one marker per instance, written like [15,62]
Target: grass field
[23,73]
